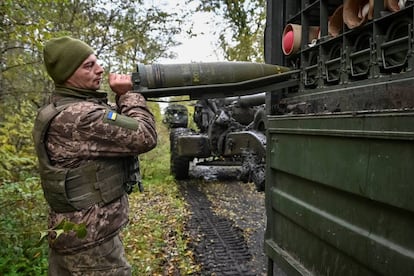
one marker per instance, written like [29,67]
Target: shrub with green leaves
[23,217]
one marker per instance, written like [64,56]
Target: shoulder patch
[111,115]
[113,118]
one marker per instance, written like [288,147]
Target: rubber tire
[179,165]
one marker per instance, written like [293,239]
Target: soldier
[87,158]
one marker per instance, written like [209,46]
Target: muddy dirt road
[227,222]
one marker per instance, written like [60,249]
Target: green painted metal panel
[340,193]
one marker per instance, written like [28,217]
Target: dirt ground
[236,211]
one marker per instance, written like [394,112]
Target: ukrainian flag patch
[111,115]
[116,119]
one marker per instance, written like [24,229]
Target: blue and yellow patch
[113,118]
[111,115]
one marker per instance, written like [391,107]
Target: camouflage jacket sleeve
[88,130]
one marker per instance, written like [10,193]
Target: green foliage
[23,209]
[23,215]
[17,157]
[154,165]
[123,33]
[66,226]
[242,34]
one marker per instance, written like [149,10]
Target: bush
[24,216]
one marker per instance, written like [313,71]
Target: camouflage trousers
[103,260]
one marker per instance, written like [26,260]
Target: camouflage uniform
[80,133]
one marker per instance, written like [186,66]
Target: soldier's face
[88,75]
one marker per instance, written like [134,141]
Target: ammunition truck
[339,158]
[340,141]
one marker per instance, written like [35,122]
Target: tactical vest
[96,182]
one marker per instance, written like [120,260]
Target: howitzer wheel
[259,121]
[179,165]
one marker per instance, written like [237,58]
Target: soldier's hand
[120,83]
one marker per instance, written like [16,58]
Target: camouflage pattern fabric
[107,259]
[81,133]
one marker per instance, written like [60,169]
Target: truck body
[340,142]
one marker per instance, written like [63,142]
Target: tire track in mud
[219,246]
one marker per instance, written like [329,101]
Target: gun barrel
[248,100]
[212,79]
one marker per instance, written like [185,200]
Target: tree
[242,35]
[123,32]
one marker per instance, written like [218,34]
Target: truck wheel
[179,165]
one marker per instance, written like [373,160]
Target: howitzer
[229,113]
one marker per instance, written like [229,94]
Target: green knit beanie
[63,56]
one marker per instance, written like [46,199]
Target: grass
[155,240]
